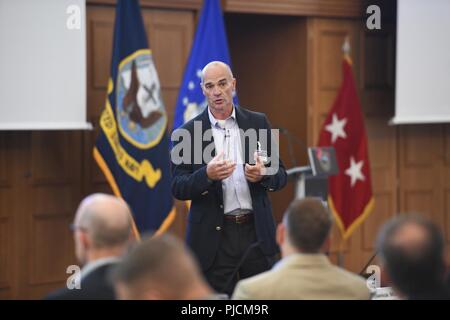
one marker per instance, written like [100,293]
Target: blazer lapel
[206,125]
[244,124]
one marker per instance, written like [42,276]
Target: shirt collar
[91,266]
[303,259]
[214,121]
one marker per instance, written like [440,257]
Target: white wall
[42,66]
[423,62]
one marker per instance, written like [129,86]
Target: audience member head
[411,249]
[305,227]
[102,228]
[160,268]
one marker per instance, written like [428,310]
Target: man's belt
[239,218]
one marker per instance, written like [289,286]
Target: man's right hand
[219,169]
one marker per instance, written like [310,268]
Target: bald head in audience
[102,228]
[160,268]
[412,253]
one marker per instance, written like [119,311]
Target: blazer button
[221,206]
[218,228]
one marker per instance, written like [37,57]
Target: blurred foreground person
[412,253]
[303,272]
[102,231]
[160,268]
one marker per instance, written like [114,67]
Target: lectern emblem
[324,159]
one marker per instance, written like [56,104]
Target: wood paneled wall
[268,57]
[40,189]
[424,163]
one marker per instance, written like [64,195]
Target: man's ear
[203,89]
[281,234]
[85,240]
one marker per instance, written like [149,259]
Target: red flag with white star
[350,191]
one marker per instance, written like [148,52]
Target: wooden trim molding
[322,8]
[311,8]
[161,4]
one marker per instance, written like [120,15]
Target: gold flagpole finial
[346,49]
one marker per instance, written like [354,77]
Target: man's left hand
[254,173]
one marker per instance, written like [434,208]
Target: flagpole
[346,49]
[341,254]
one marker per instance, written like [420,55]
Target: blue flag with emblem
[210,43]
[132,147]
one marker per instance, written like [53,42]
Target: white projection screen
[42,65]
[423,62]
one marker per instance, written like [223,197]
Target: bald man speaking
[225,161]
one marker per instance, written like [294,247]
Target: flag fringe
[347,232]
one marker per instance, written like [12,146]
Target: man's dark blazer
[190,182]
[95,286]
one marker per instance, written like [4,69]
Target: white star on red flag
[354,171]
[336,128]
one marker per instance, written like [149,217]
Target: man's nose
[216,91]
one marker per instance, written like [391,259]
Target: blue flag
[210,43]
[132,148]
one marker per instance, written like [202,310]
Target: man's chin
[222,106]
